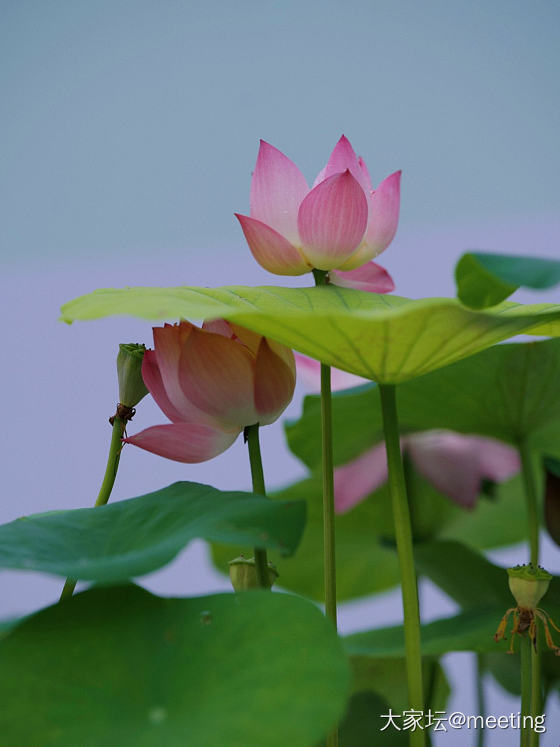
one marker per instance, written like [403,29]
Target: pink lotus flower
[339,225]
[211,383]
[455,464]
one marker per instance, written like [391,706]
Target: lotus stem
[403,536]
[257,475]
[113,459]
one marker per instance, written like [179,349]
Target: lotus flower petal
[343,157]
[498,461]
[356,480]
[184,442]
[456,464]
[154,382]
[384,204]
[271,250]
[384,213]
[168,342]
[218,327]
[247,337]
[277,189]
[274,383]
[332,220]
[217,376]
[369,277]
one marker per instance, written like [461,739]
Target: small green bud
[243,574]
[528,584]
[129,369]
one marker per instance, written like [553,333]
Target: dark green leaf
[387,677]
[485,279]
[364,566]
[118,666]
[363,720]
[472,630]
[133,537]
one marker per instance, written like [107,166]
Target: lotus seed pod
[243,574]
[528,584]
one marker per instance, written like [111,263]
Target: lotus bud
[528,584]
[243,574]
[129,369]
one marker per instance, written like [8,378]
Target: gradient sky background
[129,132]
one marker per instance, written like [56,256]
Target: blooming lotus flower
[339,225]
[455,464]
[211,383]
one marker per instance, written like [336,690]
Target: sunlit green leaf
[485,279]
[133,537]
[384,338]
[118,666]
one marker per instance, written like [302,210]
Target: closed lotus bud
[528,584]
[243,574]
[129,369]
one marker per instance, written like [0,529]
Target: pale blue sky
[133,126]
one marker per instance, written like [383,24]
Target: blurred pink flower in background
[211,383]
[339,225]
[454,463]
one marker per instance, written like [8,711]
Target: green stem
[329,556]
[113,459]
[531,499]
[328,494]
[532,505]
[526,683]
[403,535]
[536,698]
[257,475]
[481,704]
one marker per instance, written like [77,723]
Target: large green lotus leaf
[133,537]
[485,279]
[118,666]
[363,718]
[384,338]
[366,561]
[364,565]
[509,392]
[471,630]
[386,676]
[380,684]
